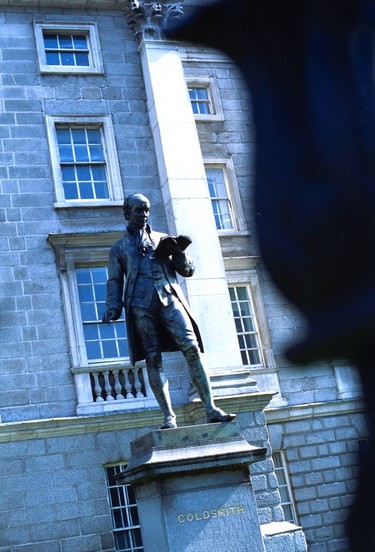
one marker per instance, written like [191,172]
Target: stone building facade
[95,105]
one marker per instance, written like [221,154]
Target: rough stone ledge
[78,425]
[313,410]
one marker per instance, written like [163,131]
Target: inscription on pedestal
[212,514]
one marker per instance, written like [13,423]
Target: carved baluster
[128,385]
[117,385]
[137,383]
[97,388]
[108,386]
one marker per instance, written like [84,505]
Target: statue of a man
[158,317]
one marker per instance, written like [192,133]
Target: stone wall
[322,458]
[37,381]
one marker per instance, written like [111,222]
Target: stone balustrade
[118,384]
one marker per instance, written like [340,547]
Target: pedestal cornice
[190,449]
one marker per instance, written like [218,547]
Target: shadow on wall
[309,66]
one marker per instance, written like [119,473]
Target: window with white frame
[284,485]
[249,314]
[84,161]
[225,199]
[246,325]
[68,48]
[104,377]
[205,99]
[200,100]
[124,512]
[220,200]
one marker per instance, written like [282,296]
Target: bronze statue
[158,318]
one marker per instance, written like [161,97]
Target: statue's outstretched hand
[110,316]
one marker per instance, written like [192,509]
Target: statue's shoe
[169,423]
[217,415]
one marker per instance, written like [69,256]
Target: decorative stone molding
[149,19]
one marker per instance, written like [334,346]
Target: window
[105,380]
[225,198]
[251,323]
[102,341]
[200,100]
[247,333]
[221,204]
[205,99]
[124,512]
[67,48]
[84,161]
[285,488]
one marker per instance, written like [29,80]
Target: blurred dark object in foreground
[310,68]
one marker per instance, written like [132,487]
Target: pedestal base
[194,491]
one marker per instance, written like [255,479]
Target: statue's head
[136,209]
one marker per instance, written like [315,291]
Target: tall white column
[186,197]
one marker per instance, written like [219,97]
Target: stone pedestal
[194,491]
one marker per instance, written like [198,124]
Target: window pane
[101,190]
[86,293]
[66,154]
[86,190]
[91,332]
[94,136]
[123,347]
[52,58]
[120,330]
[67,58]
[254,357]
[100,292]
[107,331]
[65,41]
[99,274]
[81,153]
[82,59]
[70,190]
[80,42]
[101,308]
[110,349]
[68,173]
[96,153]
[93,350]
[83,275]
[201,93]
[79,136]
[88,312]
[83,173]
[248,325]
[50,40]
[63,136]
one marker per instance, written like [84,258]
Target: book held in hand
[170,245]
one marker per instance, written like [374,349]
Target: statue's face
[139,213]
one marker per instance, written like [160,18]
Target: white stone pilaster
[186,198]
